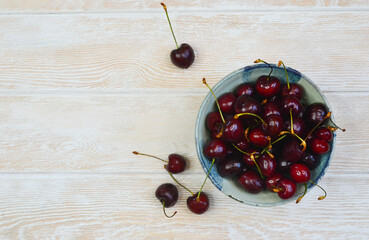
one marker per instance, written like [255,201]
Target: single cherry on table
[183,56]
[167,194]
[175,164]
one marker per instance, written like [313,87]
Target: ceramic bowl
[229,83]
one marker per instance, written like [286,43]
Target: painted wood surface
[84,83]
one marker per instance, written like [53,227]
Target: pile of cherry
[264,135]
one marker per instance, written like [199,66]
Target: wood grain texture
[123,206]
[131,51]
[97,133]
[144,5]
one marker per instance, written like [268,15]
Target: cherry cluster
[265,136]
[167,193]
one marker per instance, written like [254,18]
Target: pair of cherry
[167,193]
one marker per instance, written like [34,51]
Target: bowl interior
[230,83]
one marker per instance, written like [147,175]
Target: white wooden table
[84,83]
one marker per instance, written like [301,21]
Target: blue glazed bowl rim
[202,158]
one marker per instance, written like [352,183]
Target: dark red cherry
[251,182]
[300,173]
[271,108]
[183,57]
[311,161]
[247,158]
[295,91]
[245,89]
[167,193]
[242,144]
[230,168]
[290,102]
[292,151]
[268,87]
[198,206]
[258,137]
[246,104]
[233,131]
[315,113]
[298,126]
[271,182]
[267,165]
[226,102]
[273,125]
[324,133]
[288,188]
[319,146]
[215,149]
[213,120]
[176,163]
[283,166]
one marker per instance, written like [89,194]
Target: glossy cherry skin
[273,125]
[230,168]
[213,120]
[247,158]
[242,144]
[245,89]
[311,161]
[283,166]
[246,104]
[315,113]
[176,163]
[167,193]
[198,207]
[292,151]
[300,173]
[268,87]
[267,165]
[233,131]
[271,108]
[226,102]
[215,149]
[183,57]
[271,182]
[288,188]
[251,182]
[298,126]
[295,91]
[319,146]
[258,137]
[290,102]
[324,133]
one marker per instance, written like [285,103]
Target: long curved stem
[249,114]
[207,175]
[271,68]
[292,131]
[325,193]
[148,155]
[299,199]
[216,100]
[279,64]
[170,25]
[180,183]
[166,213]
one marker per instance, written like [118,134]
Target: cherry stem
[271,68]
[170,25]
[257,166]
[207,175]
[312,130]
[180,183]
[303,142]
[251,114]
[240,150]
[267,147]
[335,125]
[325,193]
[166,213]
[279,64]
[292,131]
[299,199]
[148,155]
[277,189]
[216,100]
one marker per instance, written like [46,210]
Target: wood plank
[145,5]
[130,51]
[80,132]
[124,207]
